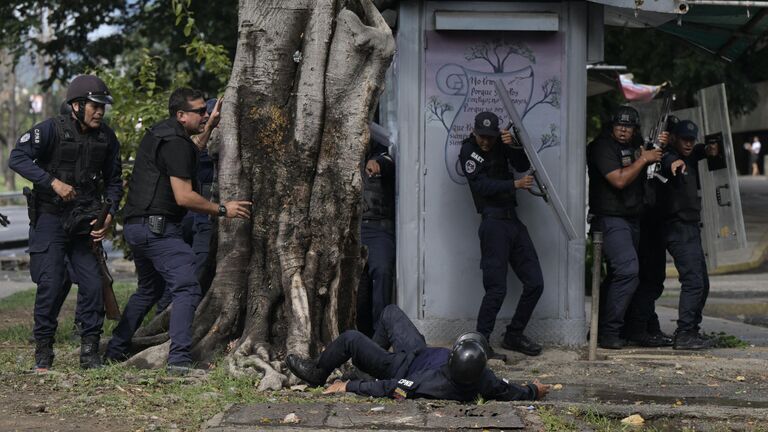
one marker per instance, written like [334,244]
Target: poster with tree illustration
[461,68]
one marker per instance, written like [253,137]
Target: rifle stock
[111,307]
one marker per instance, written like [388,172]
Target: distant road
[16,234]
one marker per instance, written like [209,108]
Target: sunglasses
[199,111]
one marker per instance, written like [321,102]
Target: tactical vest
[680,196]
[76,159]
[150,190]
[378,200]
[606,200]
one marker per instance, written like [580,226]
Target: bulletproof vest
[680,196]
[496,166]
[76,159]
[606,200]
[378,199]
[150,190]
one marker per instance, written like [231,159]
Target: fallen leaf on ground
[633,420]
[291,418]
[741,378]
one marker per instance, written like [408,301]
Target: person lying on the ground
[412,370]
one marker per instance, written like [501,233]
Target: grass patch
[723,340]
[554,422]
[23,302]
[19,300]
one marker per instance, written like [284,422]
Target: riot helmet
[65,109]
[87,88]
[625,115]
[468,358]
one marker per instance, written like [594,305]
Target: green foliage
[136,25]
[214,57]
[723,340]
[655,57]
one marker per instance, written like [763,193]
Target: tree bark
[293,134]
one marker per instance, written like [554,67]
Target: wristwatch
[222,210]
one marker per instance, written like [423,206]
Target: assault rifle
[110,302]
[654,170]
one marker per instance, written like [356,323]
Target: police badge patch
[470,166]
[24,138]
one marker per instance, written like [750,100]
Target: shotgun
[110,302]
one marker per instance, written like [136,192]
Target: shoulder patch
[470,166]
[24,138]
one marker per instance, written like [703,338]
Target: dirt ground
[714,390]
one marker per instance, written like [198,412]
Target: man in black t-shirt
[162,188]
[617,170]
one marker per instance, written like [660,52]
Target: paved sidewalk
[754,207]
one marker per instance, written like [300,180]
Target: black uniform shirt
[605,155]
[178,158]
[679,197]
[489,174]
[36,143]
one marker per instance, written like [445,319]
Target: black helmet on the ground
[468,358]
[88,87]
[625,116]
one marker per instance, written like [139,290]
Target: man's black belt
[140,220]
[499,213]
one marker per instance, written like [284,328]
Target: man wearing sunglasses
[163,187]
[73,160]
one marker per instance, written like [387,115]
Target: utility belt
[499,213]
[384,224]
[155,223]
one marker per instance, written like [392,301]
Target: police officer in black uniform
[641,323]
[487,158]
[617,164]
[162,188]
[73,161]
[411,369]
[377,233]
[681,208]
[196,226]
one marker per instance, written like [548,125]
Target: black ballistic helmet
[88,87]
[625,116]
[468,358]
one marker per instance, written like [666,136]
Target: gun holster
[31,205]
[156,224]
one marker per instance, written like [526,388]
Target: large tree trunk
[293,134]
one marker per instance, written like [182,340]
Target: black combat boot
[306,370]
[493,355]
[691,340]
[44,354]
[89,352]
[520,343]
